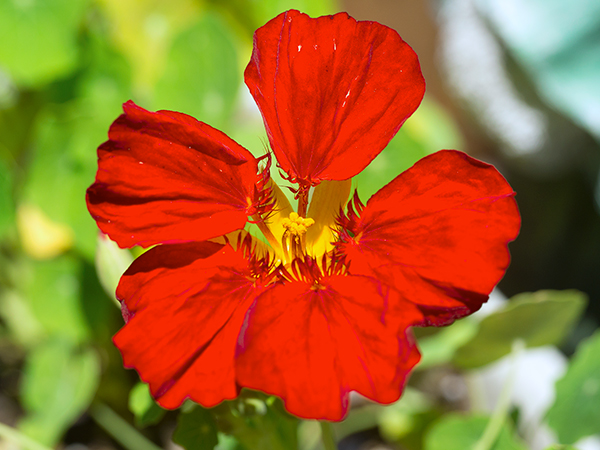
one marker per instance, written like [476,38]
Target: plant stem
[118,428]
[327,436]
[24,442]
[496,422]
[303,202]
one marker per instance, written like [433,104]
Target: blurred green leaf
[58,178]
[428,130]
[539,318]
[120,429]
[561,447]
[258,421]
[59,382]
[143,31]
[7,207]
[102,313]
[111,263]
[440,347]
[53,291]
[17,315]
[143,406]
[39,38]
[196,430]
[253,14]
[459,432]
[64,158]
[202,75]
[11,435]
[394,420]
[575,412]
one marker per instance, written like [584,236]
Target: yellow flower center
[292,236]
[293,240]
[295,225]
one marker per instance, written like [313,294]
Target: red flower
[327,307]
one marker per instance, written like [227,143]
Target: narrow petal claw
[165,177]
[438,233]
[184,305]
[332,92]
[311,344]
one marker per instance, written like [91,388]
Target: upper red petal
[185,305]
[311,345]
[332,91]
[438,233]
[165,177]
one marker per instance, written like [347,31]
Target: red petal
[332,91]
[186,304]
[165,177]
[312,346]
[438,233]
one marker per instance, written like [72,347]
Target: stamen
[293,240]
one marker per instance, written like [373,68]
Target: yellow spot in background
[40,236]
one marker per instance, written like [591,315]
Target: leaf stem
[494,426]
[327,436]
[118,428]
[25,442]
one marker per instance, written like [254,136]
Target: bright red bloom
[327,307]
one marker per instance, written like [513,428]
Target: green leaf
[39,38]
[258,421]
[143,31]
[64,158]
[458,432]
[539,318]
[18,318]
[52,289]
[143,406]
[201,75]
[196,430]
[111,263]
[7,207]
[58,178]
[254,14]
[59,382]
[561,447]
[440,347]
[394,420]
[575,412]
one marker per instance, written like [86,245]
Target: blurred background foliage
[514,82]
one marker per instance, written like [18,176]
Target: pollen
[293,241]
[296,225]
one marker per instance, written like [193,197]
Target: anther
[294,245]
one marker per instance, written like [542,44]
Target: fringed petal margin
[332,92]
[438,233]
[185,305]
[313,343]
[164,177]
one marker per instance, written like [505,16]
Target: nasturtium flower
[325,306]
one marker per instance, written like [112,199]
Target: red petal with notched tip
[438,233]
[312,346]
[332,91]
[185,305]
[165,177]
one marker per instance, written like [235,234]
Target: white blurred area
[534,373]
[474,63]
